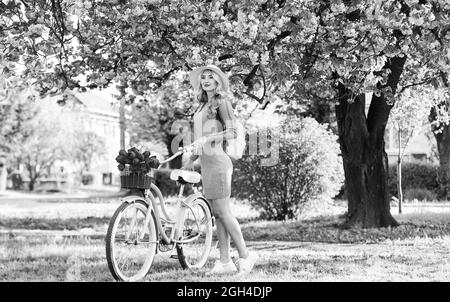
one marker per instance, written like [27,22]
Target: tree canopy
[332,51]
[290,48]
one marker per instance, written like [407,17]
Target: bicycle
[137,230]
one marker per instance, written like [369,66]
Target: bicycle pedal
[176,257]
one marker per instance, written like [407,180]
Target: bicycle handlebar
[181,150]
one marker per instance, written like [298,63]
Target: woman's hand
[196,146]
[201,141]
[189,165]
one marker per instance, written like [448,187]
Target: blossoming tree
[337,50]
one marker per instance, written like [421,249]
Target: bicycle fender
[190,198]
[132,198]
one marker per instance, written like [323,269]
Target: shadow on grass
[326,229]
[53,223]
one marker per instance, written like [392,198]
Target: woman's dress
[216,165]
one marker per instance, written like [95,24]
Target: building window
[391,138]
[419,156]
[387,138]
[87,179]
[107,178]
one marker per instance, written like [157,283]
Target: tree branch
[277,39]
[225,57]
[415,84]
[248,79]
[251,95]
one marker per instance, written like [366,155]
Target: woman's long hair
[201,94]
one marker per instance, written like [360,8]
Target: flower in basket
[138,163]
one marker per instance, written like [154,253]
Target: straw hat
[194,76]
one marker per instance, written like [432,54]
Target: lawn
[65,242]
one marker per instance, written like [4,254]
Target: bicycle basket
[135,181]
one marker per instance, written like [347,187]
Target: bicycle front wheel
[196,239]
[130,242]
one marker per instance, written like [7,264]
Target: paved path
[30,198]
[267,246]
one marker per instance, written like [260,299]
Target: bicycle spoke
[133,243]
[133,221]
[197,235]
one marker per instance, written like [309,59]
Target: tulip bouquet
[134,167]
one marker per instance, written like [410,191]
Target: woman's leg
[223,236]
[230,225]
[224,242]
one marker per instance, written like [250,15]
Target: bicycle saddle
[185,176]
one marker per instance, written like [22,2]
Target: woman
[212,89]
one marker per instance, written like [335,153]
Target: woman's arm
[193,157]
[227,115]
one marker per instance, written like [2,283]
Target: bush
[419,194]
[415,175]
[308,168]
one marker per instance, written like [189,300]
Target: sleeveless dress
[216,165]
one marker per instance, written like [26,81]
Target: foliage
[420,194]
[86,147]
[415,175]
[410,113]
[409,116]
[17,109]
[308,168]
[54,133]
[294,50]
[44,146]
[158,116]
[271,47]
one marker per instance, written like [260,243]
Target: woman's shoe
[246,264]
[223,268]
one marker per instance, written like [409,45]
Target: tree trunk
[176,163]
[443,146]
[399,185]
[399,172]
[31,184]
[365,168]
[122,122]
[365,161]
[33,176]
[3,177]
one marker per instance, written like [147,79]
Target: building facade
[102,117]
[90,112]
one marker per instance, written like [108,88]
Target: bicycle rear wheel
[130,244]
[197,235]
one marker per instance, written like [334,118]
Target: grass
[82,259]
[65,242]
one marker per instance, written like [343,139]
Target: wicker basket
[135,181]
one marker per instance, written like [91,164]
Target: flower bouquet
[135,167]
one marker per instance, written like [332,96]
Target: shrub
[415,175]
[419,194]
[308,168]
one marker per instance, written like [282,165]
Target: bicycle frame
[176,225]
[182,205]
[140,221]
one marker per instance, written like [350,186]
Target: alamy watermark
[260,141]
